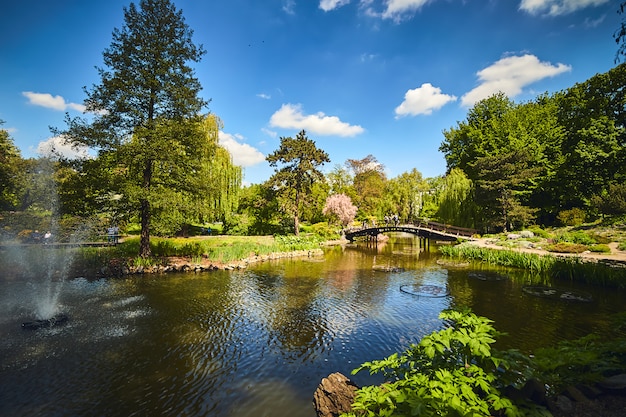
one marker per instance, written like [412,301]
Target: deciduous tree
[10,160]
[369,182]
[340,206]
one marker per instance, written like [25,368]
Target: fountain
[39,259]
[45,269]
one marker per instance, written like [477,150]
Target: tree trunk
[296,220]
[144,244]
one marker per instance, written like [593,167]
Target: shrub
[538,231]
[566,247]
[452,372]
[600,248]
[573,217]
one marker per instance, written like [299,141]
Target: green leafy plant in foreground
[452,372]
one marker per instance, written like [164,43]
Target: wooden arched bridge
[428,230]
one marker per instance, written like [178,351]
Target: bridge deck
[430,231]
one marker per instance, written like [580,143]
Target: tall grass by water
[572,268]
[216,249]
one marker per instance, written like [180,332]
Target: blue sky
[380,77]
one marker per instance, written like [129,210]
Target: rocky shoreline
[121,267]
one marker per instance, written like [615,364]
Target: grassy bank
[570,268]
[215,249]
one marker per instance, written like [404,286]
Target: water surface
[254,342]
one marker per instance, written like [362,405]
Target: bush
[577,236]
[600,248]
[573,217]
[538,231]
[322,230]
[566,247]
[452,372]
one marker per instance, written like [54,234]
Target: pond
[257,342]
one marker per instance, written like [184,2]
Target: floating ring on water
[425,290]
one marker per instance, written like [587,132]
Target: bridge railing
[424,224]
[446,228]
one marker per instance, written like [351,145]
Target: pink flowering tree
[340,207]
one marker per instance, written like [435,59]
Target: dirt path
[616,255]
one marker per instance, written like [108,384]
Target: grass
[214,248]
[570,268]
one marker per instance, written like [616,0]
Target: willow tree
[147,87]
[294,180]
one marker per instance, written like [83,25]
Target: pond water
[256,342]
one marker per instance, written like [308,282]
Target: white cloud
[365,57]
[290,116]
[57,146]
[328,5]
[289,6]
[243,154]
[264,96]
[397,8]
[590,23]
[422,100]
[51,102]
[510,75]
[270,133]
[557,7]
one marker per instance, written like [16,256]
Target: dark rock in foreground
[334,395]
[52,321]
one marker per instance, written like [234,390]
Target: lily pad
[558,293]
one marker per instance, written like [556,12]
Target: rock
[575,394]
[615,382]
[334,395]
[562,404]
[526,234]
[513,236]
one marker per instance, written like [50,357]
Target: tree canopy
[544,156]
[146,107]
[300,159]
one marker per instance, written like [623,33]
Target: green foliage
[295,179]
[611,201]
[538,231]
[585,360]
[622,246]
[572,217]
[503,181]
[570,268]
[566,247]
[146,111]
[575,236]
[10,171]
[369,181]
[600,248]
[322,230]
[456,200]
[452,372]
[292,243]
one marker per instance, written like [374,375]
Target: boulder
[334,395]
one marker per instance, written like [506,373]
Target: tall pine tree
[146,95]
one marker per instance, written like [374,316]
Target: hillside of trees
[558,159]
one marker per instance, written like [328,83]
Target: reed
[218,249]
[572,268]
